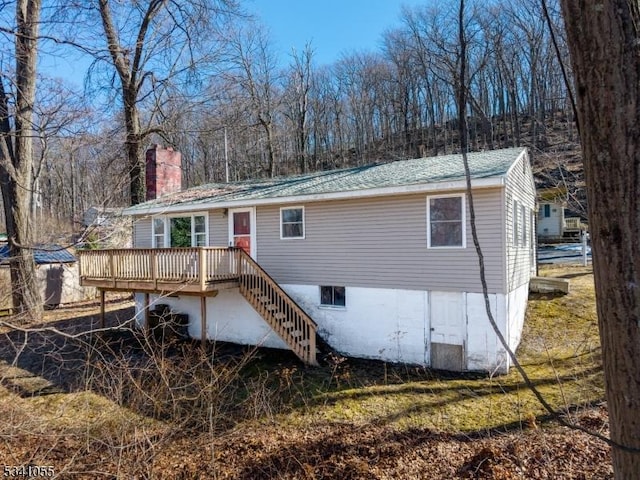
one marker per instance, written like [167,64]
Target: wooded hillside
[231,100]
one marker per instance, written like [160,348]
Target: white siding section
[551,226]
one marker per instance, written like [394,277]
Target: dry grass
[118,406]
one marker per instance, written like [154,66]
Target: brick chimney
[163,171]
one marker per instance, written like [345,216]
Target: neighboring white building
[550,220]
[381,257]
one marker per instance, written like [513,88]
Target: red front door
[241,225]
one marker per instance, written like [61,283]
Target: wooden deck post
[146,314]
[203,321]
[112,267]
[102,308]
[154,268]
[203,269]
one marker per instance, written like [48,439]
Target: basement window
[332,296]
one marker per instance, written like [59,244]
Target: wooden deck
[188,271]
[201,271]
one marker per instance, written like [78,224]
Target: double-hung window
[515,215]
[292,222]
[524,219]
[446,221]
[180,231]
[158,232]
[520,227]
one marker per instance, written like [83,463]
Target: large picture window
[292,222]
[446,221]
[180,231]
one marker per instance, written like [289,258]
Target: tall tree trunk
[603,41]
[16,160]
[133,144]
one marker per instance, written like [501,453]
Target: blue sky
[334,27]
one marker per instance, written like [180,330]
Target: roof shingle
[444,168]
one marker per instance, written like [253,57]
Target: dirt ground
[91,406]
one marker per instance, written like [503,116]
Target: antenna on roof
[226,157]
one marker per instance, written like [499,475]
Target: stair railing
[280,311]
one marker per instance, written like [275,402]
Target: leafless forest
[207,80]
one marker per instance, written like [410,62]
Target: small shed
[57,273]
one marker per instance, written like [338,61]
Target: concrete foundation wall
[383,324]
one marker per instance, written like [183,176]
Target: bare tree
[255,71]
[153,45]
[297,100]
[16,155]
[603,42]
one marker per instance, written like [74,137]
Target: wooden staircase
[278,309]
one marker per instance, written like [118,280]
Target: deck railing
[197,270]
[198,265]
[573,223]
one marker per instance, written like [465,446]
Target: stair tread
[279,311]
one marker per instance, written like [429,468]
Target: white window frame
[463,206]
[155,236]
[523,212]
[515,218]
[304,227]
[167,228]
[332,305]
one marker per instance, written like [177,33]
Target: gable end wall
[519,186]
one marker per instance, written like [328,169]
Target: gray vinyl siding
[142,236]
[519,186]
[382,243]
[218,228]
